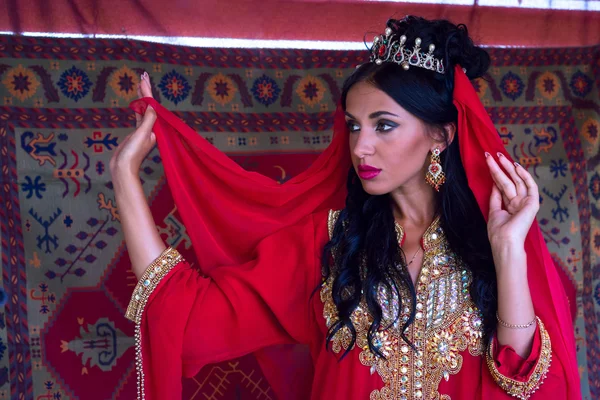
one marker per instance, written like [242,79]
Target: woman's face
[389,146]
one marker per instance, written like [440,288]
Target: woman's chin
[373,188]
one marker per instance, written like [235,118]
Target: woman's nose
[363,146]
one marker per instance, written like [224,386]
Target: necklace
[413,257]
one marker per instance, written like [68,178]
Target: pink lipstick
[367,172]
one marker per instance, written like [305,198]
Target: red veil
[228,210]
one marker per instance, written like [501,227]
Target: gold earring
[435,176]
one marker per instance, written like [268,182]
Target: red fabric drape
[341,20]
[229,210]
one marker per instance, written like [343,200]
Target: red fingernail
[500,154]
[517,164]
[487,154]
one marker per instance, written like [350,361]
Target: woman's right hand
[143,241]
[130,154]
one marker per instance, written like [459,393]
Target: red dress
[189,320]
[259,262]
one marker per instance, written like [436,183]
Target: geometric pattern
[63,111]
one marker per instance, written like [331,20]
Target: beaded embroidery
[518,389]
[144,288]
[446,324]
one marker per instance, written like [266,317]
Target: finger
[145,86]
[506,186]
[532,187]
[505,201]
[138,117]
[511,169]
[495,199]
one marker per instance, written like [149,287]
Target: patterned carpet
[64,110]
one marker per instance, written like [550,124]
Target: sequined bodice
[446,324]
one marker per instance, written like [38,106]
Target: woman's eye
[384,127]
[352,127]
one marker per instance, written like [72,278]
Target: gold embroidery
[518,389]
[331,219]
[446,324]
[146,285]
[149,280]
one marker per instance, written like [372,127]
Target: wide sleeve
[185,320]
[521,377]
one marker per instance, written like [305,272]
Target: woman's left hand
[514,188]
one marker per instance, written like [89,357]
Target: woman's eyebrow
[374,115]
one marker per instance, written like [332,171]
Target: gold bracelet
[515,326]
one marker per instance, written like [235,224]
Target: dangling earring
[435,176]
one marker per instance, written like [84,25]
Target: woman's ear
[450,133]
[444,138]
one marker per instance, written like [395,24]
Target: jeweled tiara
[391,49]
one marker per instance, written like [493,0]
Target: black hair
[364,251]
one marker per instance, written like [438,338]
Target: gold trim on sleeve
[157,270]
[518,389]
[148,282]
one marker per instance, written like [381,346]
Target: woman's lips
[367,172]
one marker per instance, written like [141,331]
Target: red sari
[260,262]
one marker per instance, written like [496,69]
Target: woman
[431,282]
